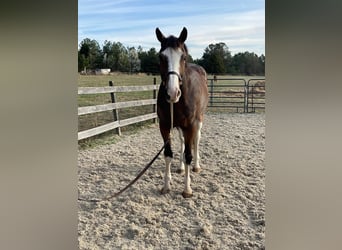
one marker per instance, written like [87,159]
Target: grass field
[120,79]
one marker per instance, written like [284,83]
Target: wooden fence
[230,93]
[115,106]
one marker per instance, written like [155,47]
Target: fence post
[245,109]
[155,97]
[253,109]
[115,111]
[211,92]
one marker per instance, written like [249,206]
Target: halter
[175,73]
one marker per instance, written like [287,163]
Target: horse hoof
[164,190]
[196,170]
[187,195]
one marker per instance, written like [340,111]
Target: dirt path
[227,210]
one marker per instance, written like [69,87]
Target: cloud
[241,25]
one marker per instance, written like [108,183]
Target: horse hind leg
[181,169]
[187,193]
[197,167]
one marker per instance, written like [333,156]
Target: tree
[216,58]
[83,62]
[90,55]
[149,61]
[248,63]
[116,55]
[134,60]
[261,68]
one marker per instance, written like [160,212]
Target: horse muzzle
[173,96]
[173,87]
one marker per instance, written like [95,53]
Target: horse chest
[183,116]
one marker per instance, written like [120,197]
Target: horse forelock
[173,42]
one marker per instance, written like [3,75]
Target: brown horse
[184,86]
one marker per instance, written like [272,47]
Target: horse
[184,90]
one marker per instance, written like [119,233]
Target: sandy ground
[227,210]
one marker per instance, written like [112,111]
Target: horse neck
[185,83]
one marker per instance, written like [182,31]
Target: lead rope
[171,113]
[142,171]
[131,183]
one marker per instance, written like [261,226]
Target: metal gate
[237,94]
[256,95]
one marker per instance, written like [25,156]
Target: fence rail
[114,89]
[117,123]
[111,106]
[113,125]
[225,93]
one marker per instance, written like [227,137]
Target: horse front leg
[168,158]
[188,139]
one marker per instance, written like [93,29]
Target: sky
[240,24]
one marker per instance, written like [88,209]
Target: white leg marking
[181,152]
[187,189]
[196,146]
[167,176]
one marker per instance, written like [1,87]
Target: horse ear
[183,35]
[160,35]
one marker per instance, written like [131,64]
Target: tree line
[216,59]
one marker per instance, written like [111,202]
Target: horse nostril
[173,96]
[179,93]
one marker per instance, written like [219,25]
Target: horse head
[172,56]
